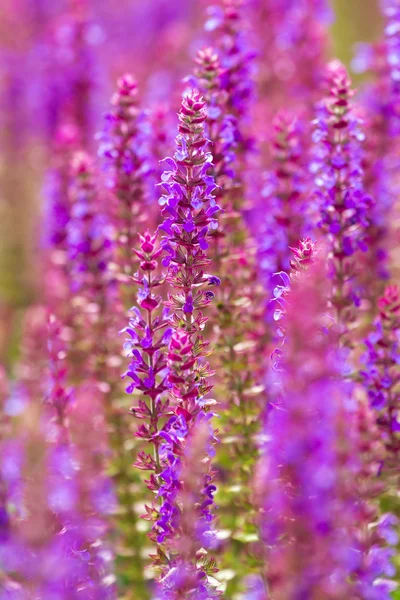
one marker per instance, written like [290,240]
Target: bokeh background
[154,39]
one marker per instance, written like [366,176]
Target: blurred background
[43,56]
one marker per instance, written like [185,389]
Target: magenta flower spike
[391,10]
[380,376]
[281,219]
[70,77]
[220,123]
[60,509]
[313,516]
[189,211]
[91,282]
[343,204]
[228,25]
[168,356]
[380,101]
[292,42]
[124,148]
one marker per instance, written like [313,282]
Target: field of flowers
[199,309]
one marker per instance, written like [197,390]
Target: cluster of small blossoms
[149,334]
[220,125]
[57,214]
[189,211]
[224,76]
[293,42]
[167,351]
[59,511]
[124,148]
[391,9]
[304,256]
[381,375]
[70,71]
[381,105]
[284,192]
[343,204]
[311,468]
[89,255]
[228,24]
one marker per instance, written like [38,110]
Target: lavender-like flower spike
[292,42]
[391,10]
[343,205]
[189,208]
[227,22]
[381,377]
[312,518]
[220,124]
[381,103]
[90,279]
[57,214]
[88,246]
[284,223]
[71,72]
[183,580]
[124,149]
[189,211]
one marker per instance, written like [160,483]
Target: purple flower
[124,147]
[343,205]
[380,373]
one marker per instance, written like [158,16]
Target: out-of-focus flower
[92,285]
[381,375]
[69,76]
[281,217]
[312,517]
[228,26]
[124,147]
[343,204]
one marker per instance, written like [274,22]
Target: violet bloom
[220,124]
[124,148]
[228,24]
[183,577]
[381,376]
[57,544]
[148,335]
[57,214]
[292,41]
[189,211]
[343,204]
[69,76]
[92,285]
[281,216]
[88,245]
[380,100]
[391,9]
[311,513]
